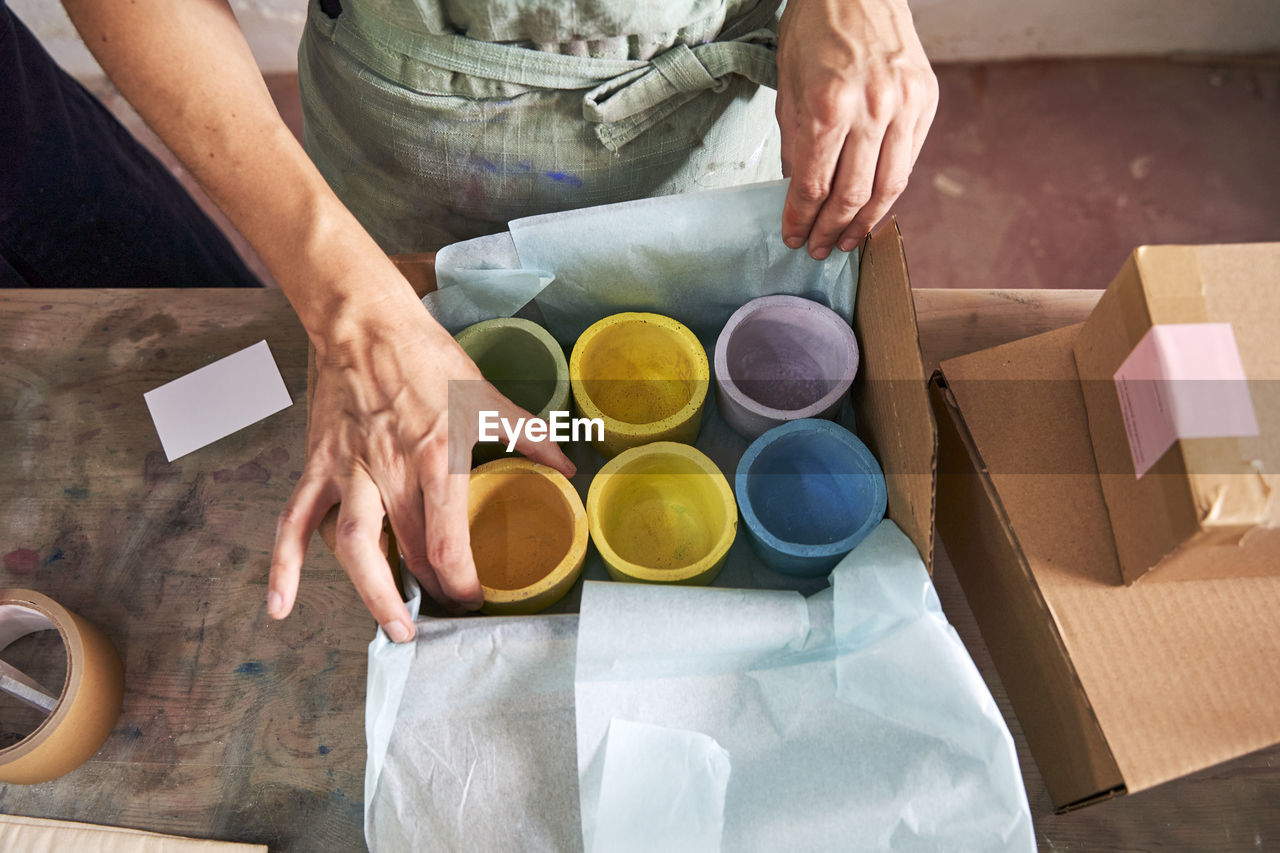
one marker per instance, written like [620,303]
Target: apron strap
[627,105]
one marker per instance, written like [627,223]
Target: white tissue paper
[853,720]
[695,257]
[662,789]
[738,717]
[698,719]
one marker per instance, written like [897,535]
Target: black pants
[83,204]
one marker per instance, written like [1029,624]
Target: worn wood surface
[233,726]
[239,728]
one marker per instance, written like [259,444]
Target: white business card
[217,400]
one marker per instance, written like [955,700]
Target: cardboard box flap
[1016,624]
[1180,676]
[891,394]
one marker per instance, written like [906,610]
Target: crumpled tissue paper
[698,719]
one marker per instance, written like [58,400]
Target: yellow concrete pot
[662,513]
[528,535]
[644,375]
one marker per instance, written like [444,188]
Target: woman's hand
[856,97]
[394,414]
[393,422]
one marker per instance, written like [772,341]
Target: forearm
[186,68]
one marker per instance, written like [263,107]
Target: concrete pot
[782,358]
[662,513]
[524,363]
[644,375]
[528,535]
[809,492]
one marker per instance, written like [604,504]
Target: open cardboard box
[1117,688]
[891,402]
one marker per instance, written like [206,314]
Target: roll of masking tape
[83,714]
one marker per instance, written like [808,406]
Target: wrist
[360,308]
[340,282]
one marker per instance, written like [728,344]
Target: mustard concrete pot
[644,375]
[662,513]
[525,364]
[782,358]
[528,535]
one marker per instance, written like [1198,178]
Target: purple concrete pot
[782,358]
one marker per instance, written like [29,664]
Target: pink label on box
[1183,380]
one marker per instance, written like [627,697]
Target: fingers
[311,499]
[546,453]
[851,191]
[896,156]
[356,544]
[856,97]
[543,452]
[448,536]
[815,151]
[405,513]
[922,125]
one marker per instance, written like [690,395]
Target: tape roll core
[92,691]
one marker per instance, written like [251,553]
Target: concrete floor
[1047,173]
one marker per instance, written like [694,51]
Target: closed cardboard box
[1177,365]
[1118,688]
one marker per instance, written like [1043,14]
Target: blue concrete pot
[809,492]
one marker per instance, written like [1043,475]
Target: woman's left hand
[856,97]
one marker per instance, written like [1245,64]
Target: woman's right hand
[393,421]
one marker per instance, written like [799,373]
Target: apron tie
[627,105]
[624,97]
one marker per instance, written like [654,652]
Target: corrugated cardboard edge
[891,397]
[1167,510]
[1016,622]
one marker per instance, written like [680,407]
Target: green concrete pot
[525,364]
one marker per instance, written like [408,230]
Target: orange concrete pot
[528,535]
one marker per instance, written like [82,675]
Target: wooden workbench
[239,728]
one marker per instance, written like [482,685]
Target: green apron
[430,136]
